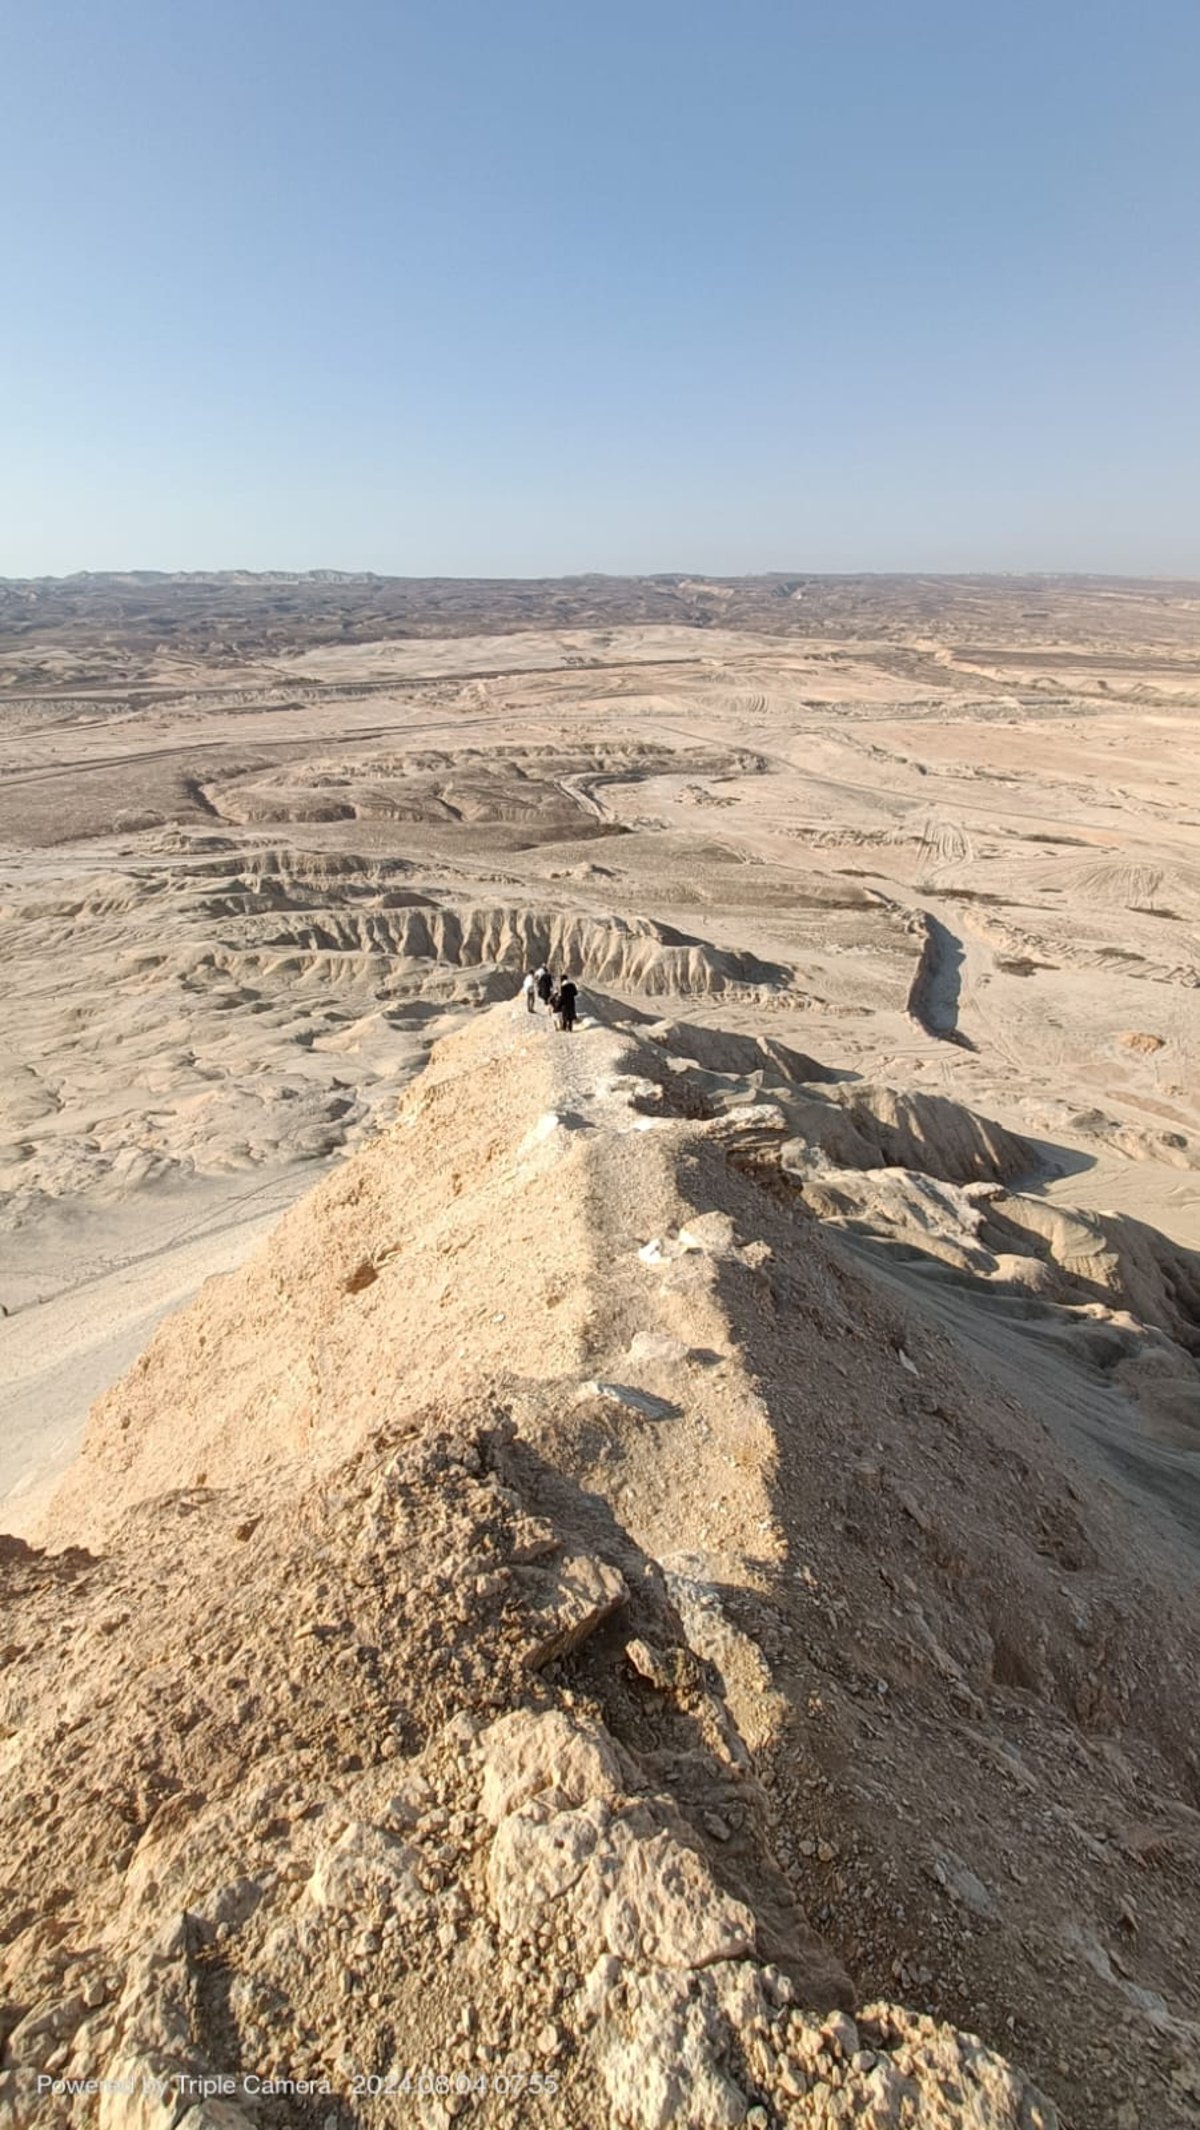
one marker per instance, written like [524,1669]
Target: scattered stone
[581,1595]
[647,1347]
[793,2079]
[959,1880]
[641,1402]
[650,1665]
[1139,1040]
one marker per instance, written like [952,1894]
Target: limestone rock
[538,1855]
[366,1873]
[135,2089]
[582,1593]
[666,1908]
[524,1753]
[44,2030]
[665,2068]
[637,1891]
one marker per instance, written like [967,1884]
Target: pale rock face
[740,1992]
[637,1892]
[406,1804]
[42,2032]
[524,1754]
[18,2097]
[666,2069]
[188,1867]
[154,2010]
[366,1872]
[601,1980]
[134,2086]
[683,2023]
[957,2083]
[665,1906]
[537,1856]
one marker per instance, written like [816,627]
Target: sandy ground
[944,837]
[96,1289]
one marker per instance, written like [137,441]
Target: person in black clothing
[544,984]
[564,1006]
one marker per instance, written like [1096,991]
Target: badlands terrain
[656,1577]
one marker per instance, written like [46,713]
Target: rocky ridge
[481,1634]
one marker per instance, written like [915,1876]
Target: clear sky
[524,287]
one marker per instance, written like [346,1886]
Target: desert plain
[883,897]
[262,840]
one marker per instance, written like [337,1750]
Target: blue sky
[506,287]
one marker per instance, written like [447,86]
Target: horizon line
[332,573]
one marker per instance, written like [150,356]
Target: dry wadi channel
[773,1413]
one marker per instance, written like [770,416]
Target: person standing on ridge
[544,983]
[529,990]
[564,1006]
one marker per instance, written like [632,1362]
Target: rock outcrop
[347,1839]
